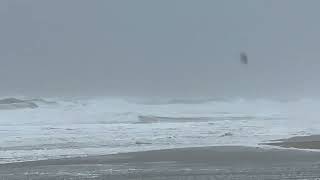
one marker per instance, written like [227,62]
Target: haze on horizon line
[162,48]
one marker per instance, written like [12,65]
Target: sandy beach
[229,162]
[299,142]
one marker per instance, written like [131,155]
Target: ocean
[78,127]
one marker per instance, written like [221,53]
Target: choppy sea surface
[72,127]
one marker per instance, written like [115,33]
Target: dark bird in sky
[243,58]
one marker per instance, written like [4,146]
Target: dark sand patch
[300,142]
[173,164]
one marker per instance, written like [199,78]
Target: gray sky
[160,47]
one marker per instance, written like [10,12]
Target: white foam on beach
[96,126]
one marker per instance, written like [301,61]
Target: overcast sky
[160,47]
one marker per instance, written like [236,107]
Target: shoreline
[212,162]
[311,142]
[224,162]
[301,143]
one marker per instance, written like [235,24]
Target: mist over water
[160,48]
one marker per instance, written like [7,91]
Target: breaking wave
[62,127]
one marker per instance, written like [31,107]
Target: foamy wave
[107,125]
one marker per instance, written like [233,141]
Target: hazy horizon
[160,48]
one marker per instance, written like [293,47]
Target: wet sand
[187,163]
[300,142]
